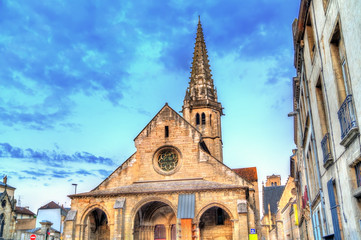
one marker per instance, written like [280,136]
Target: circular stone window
[166,160]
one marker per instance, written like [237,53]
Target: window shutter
[333,207]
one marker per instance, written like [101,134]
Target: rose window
[167,159]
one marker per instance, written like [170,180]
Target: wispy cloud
[51,51]
[51,158]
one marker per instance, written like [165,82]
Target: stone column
[111,230]
[168,229]
[45,227]
[80,231]
[198,233]
[179,229]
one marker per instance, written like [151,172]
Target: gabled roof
[249,174]
[7,185]
[53,205]
[23,210]
[177,114]
[50,205]
[10,199]
[272,195]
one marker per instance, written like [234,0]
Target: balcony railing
[325,145]
[347,117]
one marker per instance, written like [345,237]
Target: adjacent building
[176,185]
[271,194]
[327,113]
[54,213]
[25,220]
[7,210]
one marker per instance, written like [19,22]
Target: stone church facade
[175,186]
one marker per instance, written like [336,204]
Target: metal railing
[347,117]
[325,145]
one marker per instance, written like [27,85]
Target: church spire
[200,106]
[201,85]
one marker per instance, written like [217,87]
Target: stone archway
[155,220]
[96,225]
[215,223]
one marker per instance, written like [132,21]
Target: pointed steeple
[201,85]
[201,90]
[200,106]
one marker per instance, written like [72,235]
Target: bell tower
[200,106]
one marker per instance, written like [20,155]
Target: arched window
[2,223]
[203,119]
[197,119]
[159,232]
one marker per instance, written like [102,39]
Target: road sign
[33,237]
[253,231]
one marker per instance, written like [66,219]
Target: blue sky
[79,80]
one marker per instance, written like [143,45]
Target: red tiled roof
[22,210]
[250,174]
[50,205]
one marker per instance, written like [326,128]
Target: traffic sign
[33,237]
[253,231]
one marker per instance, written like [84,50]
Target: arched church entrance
[155,221]
[96,225]
[215,223]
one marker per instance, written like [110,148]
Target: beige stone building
[271,194]
[287,212]
[175,186]
[7,210]
[327,110]
[25,220]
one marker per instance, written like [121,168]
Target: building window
[167,159]
[325,143]
[321,106]
[338,56]
[210,119]
[335,209]
[310,36]
[358,174]
[166,131]
[311,173]
[203,119]
[197,119]
[346,113]
[318,224]
[219,216]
